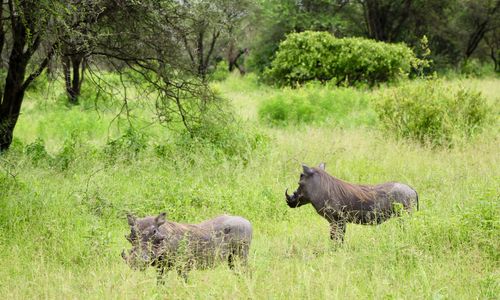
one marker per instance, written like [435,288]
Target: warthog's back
[218,237]
[241,226]
[404,194]
[238,228]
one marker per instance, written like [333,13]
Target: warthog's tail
[416,197]
[417,200]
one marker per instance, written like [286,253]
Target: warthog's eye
[157,236]
[153,231]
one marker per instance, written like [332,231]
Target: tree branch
[40,69]
[215,36]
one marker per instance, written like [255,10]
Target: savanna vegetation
[114,107]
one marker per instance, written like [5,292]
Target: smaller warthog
[169,245]
[341,202]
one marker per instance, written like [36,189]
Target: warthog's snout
[291,200]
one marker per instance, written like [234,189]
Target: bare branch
[40,69]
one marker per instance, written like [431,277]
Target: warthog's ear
[160,220]
[307,170]
[131,219]
[322,166]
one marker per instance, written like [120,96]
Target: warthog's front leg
[239,252]
[160,279]
[182,272]
[238,258]
[183,269]
[337,231]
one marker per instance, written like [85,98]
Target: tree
[385,19]
[479,18]
[455,28]
[492,40]
[76,43]
[238,26]
[147,38]
[32,47]
[206,25]
[277,18]
[144,36]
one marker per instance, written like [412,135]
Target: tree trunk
[494,58]
[25,41]
[374,20]
[2,35]
[10,108]
[204,58]
[493,42]
[475,38]
[13,93]
[233,59]
[72,76]
[385,20]
[200,49]
[77,62]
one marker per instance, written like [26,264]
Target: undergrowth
[64,196]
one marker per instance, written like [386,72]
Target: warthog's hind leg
[183,272]
[230,260]
[238,253]
[234,253]
[337,231]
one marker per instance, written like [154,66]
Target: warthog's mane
[335,188]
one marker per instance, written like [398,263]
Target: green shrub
[319,56]
[36,151]
[127,146]
[431,112]
[221,71]
[313,104]
[476,68]
[67,154]
[302,57]
[482,220]
[224,135]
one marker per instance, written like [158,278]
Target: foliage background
[157,126]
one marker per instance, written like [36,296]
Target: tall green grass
[432,112]
[316,104]
[63,201]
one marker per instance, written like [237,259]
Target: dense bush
[476,68]
[319,56]
[223,135]
[317,105]
[36,151]
[221,71]
[431,112]
[127,146]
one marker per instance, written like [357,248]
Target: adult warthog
[340,202]
[169,245]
